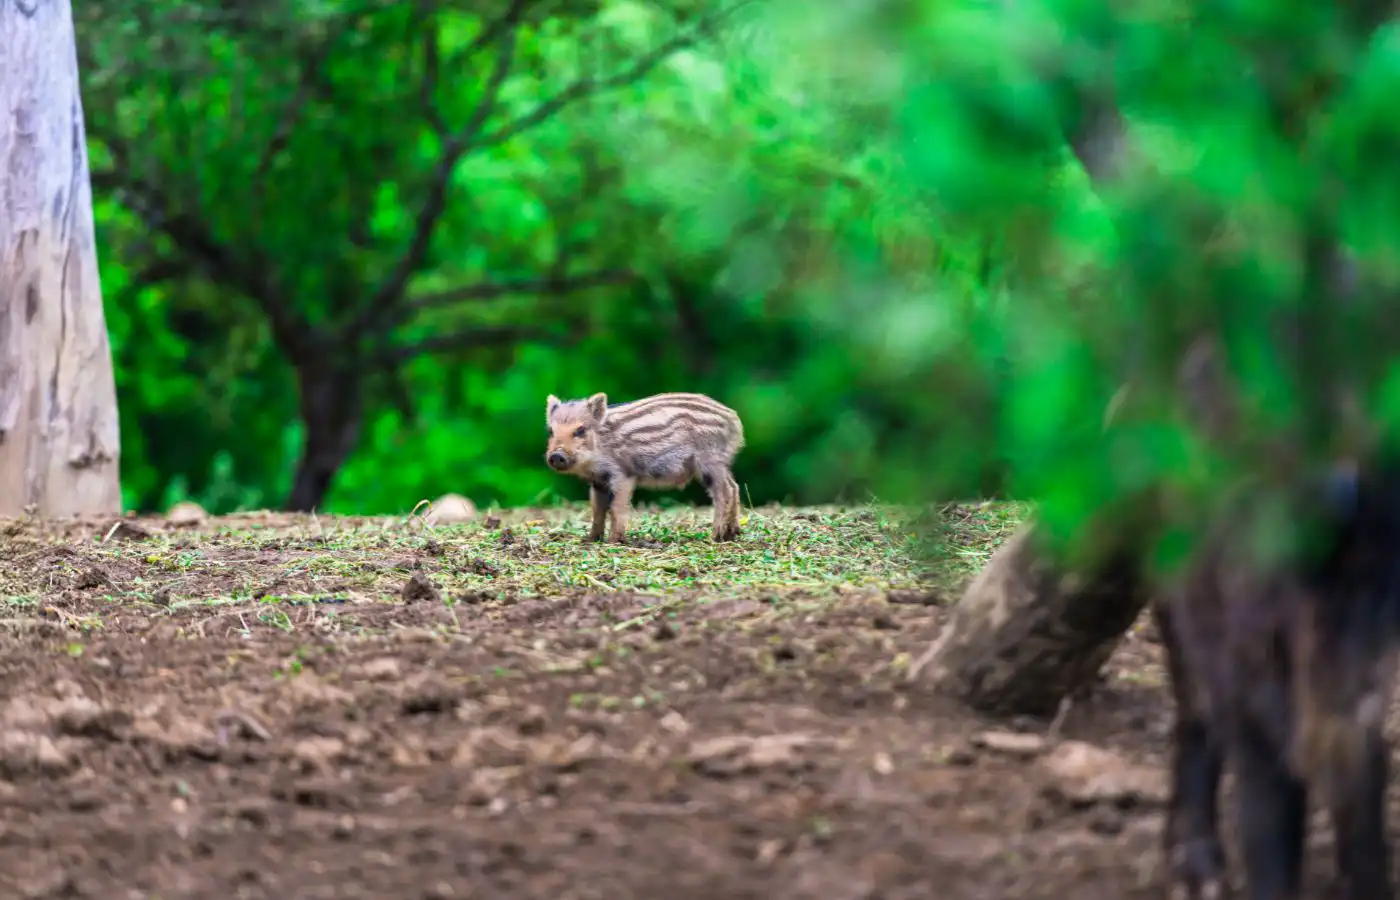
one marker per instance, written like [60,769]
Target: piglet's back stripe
[694,401]
[696,408]
[649,431]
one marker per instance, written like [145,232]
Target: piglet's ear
[551,403]
[598,407]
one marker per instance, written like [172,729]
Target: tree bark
[1029,631]
[1033,628]
[332,411]
[59,438]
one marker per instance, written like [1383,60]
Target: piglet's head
[573,432]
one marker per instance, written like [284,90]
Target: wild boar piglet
[663,441]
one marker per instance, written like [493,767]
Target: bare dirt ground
[268,707]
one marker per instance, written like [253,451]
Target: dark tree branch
[476,339]
[1099,138]
[400,397]
[312,60]
[251,277]
[391,289]
[492,33]
[592,87]
[428,86]
[554,285]
[503,31]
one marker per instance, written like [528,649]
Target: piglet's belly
[664,482]
[662,474]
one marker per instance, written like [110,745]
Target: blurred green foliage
[859,224]
[250,162]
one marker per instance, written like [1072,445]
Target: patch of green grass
[274,563]
[960,539]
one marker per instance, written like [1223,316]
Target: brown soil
[569,747]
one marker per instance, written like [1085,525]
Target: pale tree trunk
[58,405]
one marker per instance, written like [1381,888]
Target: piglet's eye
[580,431]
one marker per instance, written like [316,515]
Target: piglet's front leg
[621,508]
[599,499]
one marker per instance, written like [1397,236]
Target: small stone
[343,828]
[450,509]
[675,723]
[186,514]
[318,751]
[533,720]
[768,852]
[81,717]
[1012,743]
[736,754]
[1086,775]
[385,668]
[410,755]
[51,757]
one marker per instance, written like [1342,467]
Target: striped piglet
[663,441]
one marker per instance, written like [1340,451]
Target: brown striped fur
[662,441]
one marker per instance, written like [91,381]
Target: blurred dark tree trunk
[694,331]
[59,446]
[332,413]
